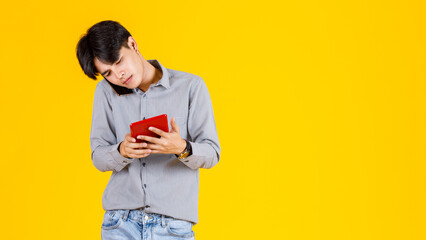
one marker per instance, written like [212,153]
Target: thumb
[175,127]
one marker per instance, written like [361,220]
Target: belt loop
[163,221]
[126,215]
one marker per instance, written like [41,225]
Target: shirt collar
[164,81]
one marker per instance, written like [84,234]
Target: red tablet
[141,127]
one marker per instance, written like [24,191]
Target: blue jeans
[136,224]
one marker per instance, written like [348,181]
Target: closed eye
[107,73]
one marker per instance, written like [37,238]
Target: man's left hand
[169,142]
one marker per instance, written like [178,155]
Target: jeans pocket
[112,219]
[180,228]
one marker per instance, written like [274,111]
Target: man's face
[127,71]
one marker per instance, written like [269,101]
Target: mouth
[127,80]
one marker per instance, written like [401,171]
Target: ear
[131,42]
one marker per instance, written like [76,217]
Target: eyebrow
[112,64]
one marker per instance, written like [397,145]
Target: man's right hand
[129,148]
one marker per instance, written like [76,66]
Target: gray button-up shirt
[159,182]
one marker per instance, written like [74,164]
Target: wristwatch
[186,152]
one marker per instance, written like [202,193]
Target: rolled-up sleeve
[103,143]
[202,129]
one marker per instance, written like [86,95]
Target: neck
[150,75]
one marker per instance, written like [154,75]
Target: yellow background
[320,109]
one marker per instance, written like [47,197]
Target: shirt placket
[144,115]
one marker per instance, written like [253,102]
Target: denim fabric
[136,224]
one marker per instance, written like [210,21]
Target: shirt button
[143,164]
[144,185]
[146,217]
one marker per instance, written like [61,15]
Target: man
[153,189]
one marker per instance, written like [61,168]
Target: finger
[139,152]
[154,147]
[158,151]
[137,145]
[175,127]
[149,139]
[157,131]
[129,138]
[139,156]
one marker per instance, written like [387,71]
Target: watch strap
[186,152]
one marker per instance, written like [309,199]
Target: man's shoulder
[183,77]
[104,86]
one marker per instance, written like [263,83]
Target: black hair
[102,41]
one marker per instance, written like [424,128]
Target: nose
[120,74]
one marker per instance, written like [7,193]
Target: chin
[132,85]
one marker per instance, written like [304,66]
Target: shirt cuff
[119,159]
[200,158]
